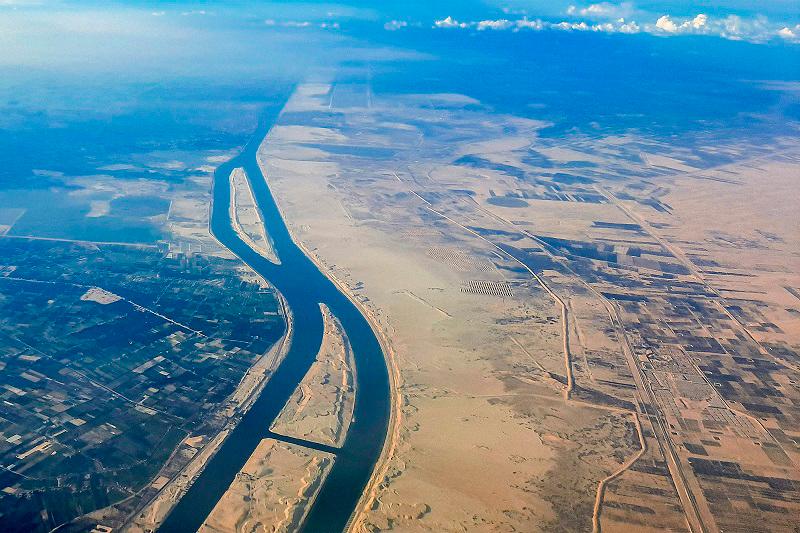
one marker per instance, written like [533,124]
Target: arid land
[587,334]
[321,407]
[273,491]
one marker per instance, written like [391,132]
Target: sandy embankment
[246,217]
[382,466]
[321,407]
[396,398]
[267,494]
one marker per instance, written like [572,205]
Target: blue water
[304,287]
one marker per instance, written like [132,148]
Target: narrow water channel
[304,287]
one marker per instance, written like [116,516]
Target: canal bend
[303,287]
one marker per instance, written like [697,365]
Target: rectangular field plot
[105,368]
[488,288]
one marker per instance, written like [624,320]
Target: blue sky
[183,38]
[617,64]
[82,82]
[776,20]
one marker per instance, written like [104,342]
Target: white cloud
[394,25]
[628,27]
[524,23]
[569,26]
[733,27]
[606,27]
[502,24]
[790,34]
[602,10]
[665,23]
[450,22]
[757,29]
[733,24]
[696,25]
[598,9]
[302,24]
[699,21]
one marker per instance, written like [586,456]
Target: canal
[304,287]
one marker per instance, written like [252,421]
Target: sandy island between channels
[173,490]
[268,493]
[321,407]
[246,218]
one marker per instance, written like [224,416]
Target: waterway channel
[304,287]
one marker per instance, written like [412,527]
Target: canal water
[304,287]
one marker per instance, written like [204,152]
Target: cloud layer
[622,18]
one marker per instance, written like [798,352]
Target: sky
[654,67]
[81,34]
[92,35]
